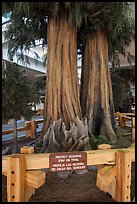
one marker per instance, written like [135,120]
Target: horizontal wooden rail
[126,117]
[117,114]
[39,121]
[36,121]
[28,127]
[128,114]
[96,157]
[6,132]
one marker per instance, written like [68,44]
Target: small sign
[68,161]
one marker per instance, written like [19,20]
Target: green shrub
[97,140]
[38,148]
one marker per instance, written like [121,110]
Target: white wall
[39,66]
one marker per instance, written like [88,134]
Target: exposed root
[59,139]
[6,151]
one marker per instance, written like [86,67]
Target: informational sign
[68,161]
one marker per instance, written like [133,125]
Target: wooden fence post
[27,150]
[16,178]
[121,121]
[106,175]
[133,129]
[33,129]
[117,114]
[28,189]
[102,147]
[123,176]
[28,131]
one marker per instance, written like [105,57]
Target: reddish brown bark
[96,89]
[62,83]
[62,106]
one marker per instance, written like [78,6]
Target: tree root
[6,151]
[59,139]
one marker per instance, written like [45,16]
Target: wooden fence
[25,172]
[30,126]
[123,118]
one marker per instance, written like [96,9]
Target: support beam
[94,157]
[102,147]
[35,178]
[123,176]
[106,179]
[16,178]
[106,175]
[29,191]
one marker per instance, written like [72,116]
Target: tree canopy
[29,22]
[117,18]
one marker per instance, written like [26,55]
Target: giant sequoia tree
[104,34]
[96,90]
[57,23]
[63,128]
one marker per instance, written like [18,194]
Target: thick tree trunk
[96,90]
[15,136]
[62,110]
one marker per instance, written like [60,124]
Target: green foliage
[116,18]
[38,148]
[130,58]
[121,88]
[23,35]
[121,27]
[29,22]
[119,92]
[18,94]
[40,86]
[94,141]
